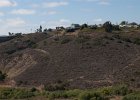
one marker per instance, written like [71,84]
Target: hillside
[83,59]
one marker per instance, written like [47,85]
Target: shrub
[33,89]
[56,39]
[117,36]
[58,94]
[45,42]
[51,96]
[5,93]
[73,93]
[137,41]
[2,76]
[108,26]
[31,44]
[132,96]
[126,39]
[137,73]
[65,40]
[106,91]
[57,86]
[121,90]
[91,96]
[18,83]
[109,38]
[85,96]
[8,93]
[119,41]
[22,93]
[98,42]
[34,46]
[82,39]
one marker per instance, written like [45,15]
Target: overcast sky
[27,15]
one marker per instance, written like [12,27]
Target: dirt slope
[93,60]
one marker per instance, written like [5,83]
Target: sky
[27,15]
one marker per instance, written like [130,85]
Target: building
[75,26]
[60,28]
[128,26]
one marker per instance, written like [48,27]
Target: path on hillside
[42,51]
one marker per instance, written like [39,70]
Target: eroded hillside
[81,59]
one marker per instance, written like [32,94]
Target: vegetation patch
[87,30]
[132,96]
[31,44]
[97,42]
[65,40]
[14,93]
[57,86]
[104,93]
[2,76]
[82,39]
[137,41]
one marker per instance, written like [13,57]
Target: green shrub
[73,93]
[31,44]
[132,96]
[51,96]
[56,94]
[57,86]
[54,87]
[34,46]
[137,41]
[82,39]
[85,96]
[21,94]
[91,96]
[121,90]
[65,40]
[106,91]
[8,93]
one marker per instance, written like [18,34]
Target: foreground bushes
[132,96]
[92,94]
[12,93]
